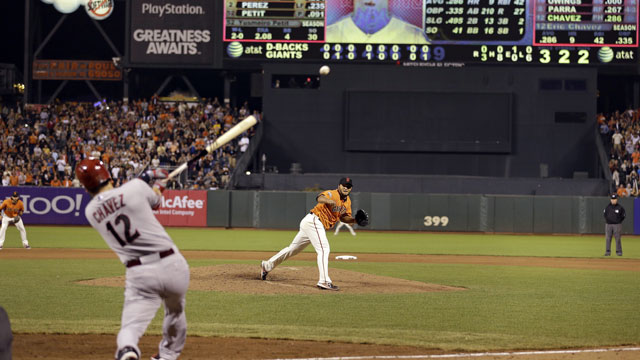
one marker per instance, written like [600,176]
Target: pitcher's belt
[149,258]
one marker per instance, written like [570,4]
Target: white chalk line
[463,355]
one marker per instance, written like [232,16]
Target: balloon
[66,6]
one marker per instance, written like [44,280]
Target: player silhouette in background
[12,211]
[371,22]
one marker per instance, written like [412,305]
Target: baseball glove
[16,219]
[362,218]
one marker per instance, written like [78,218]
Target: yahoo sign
[51,205]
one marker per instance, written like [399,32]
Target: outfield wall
[388,211]
[425,212]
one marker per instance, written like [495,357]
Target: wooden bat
[240,127]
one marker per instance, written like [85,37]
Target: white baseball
[324,70]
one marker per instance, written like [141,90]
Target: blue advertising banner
[65,206]
[50,205]
[636,216]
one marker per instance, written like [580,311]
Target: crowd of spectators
[620,133]
[41,145]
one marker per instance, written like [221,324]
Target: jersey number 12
[129,237]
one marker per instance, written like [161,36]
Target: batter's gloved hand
[153,174]
[362,218]
[160,185]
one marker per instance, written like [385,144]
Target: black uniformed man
[614,216]
[6,336]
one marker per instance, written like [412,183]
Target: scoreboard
[433,32]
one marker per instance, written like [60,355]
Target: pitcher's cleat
[327,286]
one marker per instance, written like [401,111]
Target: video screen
[411,32]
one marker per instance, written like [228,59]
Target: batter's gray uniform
[156,271]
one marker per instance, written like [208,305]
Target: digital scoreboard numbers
[274,20]
[447,33]
[475,20]
[596,23]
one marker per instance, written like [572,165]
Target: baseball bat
[240,127]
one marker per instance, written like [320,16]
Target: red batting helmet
[92,174]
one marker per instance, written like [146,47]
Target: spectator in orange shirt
[29,180]
[56,182]
[635,158]
[14,180]
[200,143]
[66,182]
[33,140]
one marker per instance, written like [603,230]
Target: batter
[333,206]
[13,209]
[156,271]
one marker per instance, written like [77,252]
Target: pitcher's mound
[243,278]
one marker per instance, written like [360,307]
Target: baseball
[324,70]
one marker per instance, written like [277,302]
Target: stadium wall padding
[389,211]
[418,212]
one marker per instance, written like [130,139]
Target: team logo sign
[99,9]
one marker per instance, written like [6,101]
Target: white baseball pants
[147,287]
[311,231]
[20,225]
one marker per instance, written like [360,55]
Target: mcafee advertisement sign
[183,208]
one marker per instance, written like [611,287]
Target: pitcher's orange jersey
[11,209]
[330,214]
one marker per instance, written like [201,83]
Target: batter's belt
[149,258]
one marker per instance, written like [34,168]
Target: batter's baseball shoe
[327,286]
[128,353]
[263,272]
[28,247]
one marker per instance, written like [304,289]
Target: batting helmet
[92,174]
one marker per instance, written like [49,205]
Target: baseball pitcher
[13,209]
[156,272]
[333,206]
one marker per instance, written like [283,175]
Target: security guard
[614,215]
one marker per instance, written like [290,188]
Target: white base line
[462,355]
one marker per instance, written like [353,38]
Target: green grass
[585,246]
[505,307]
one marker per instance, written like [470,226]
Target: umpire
[614,216]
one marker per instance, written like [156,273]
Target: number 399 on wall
[436,220]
